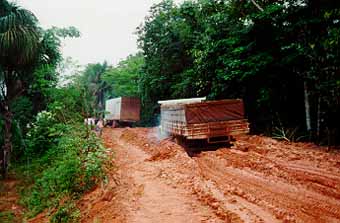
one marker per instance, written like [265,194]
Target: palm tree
[19,43]
[95,86]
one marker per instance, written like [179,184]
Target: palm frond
[19,35]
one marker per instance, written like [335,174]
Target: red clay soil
[139,191]
[258,179]
[10,210]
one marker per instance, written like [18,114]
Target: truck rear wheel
[178,140]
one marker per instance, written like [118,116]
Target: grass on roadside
[53,177]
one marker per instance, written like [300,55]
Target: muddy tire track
[257,180]
[146,196]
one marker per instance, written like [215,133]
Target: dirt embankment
[258,179]
[10,210]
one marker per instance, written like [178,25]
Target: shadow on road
[195,147]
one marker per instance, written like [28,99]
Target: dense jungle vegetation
[280,57]
[44,142]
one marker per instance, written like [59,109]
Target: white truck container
[125,109]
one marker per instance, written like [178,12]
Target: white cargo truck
[122,109]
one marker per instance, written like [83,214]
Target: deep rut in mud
[258,179]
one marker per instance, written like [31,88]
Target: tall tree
[94,86]
[19,44]
[29,57]
[123,78]
[279,56]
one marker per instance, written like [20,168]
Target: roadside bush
[65,161]
[42,134]
[22,108]
[7,217]
[67,213]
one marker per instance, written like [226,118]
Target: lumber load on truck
[198,119]
[125,109]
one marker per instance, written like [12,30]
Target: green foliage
[29,56]
[66,32]
[19,35]
[68,104]
[93,88]
[263,53]
[58,157]
[62,159]
[123,78]
[22,108]
[67,213]
[67,162]
[49,51]
[166,43]
[7,217]
[42,134]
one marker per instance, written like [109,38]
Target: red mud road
[258,179]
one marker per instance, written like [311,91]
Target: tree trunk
[100,103]
[318,124]
[6,149]
[307,107]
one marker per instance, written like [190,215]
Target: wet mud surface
[257,179]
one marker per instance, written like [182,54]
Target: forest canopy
[281,57]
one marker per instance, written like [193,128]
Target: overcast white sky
[107,26]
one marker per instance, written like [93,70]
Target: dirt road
[258,179]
